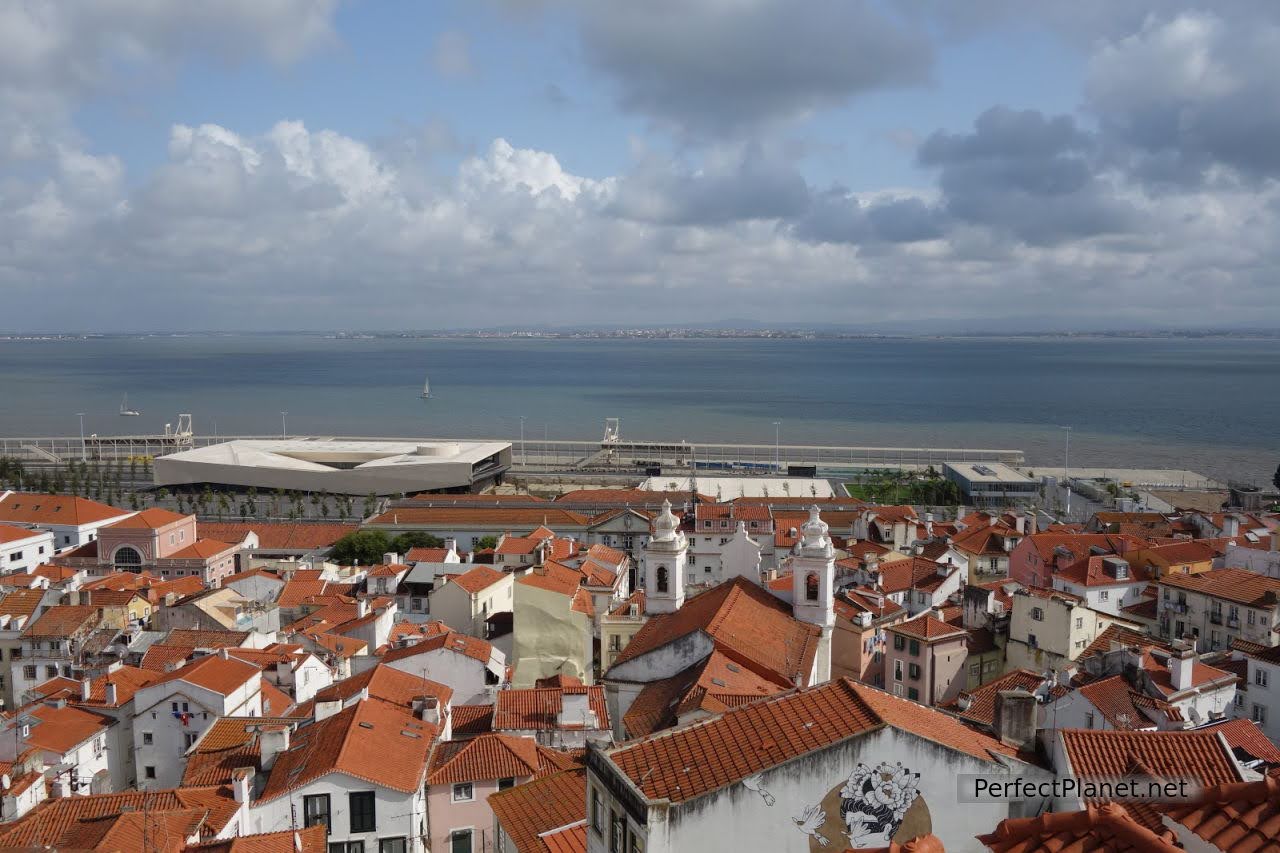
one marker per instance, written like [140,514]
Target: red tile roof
[127,679]
[371,741]
[203,549]
[553,577]
[34,508]
[9,533]
[925,627]
[1121,705]
[693,760]
[61,730]
[526,811]
[388,684]
[279,536]
[1238,585]
[62,621]
[982,700]
[911,573]
[567,839]
[228,744]
[1246,735]
[1092,572]
[1105,829]
[426,555]
[150,519]
[20,603]
[206,638]
[463,644]
[741,617]
[471,720]
[213,672]
[161,657]
[1196,755]
[478,579]
[313,839]
[492,756]
[480,516]
[1235,817]
[538,708]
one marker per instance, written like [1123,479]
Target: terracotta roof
[553,577]
[159,831]
[1117,636]
[313,839]
[372,741]
[1235,817]
[850,601]
[641,497]
[202,549]
[1246,735]
[499,517]
[1189,551]
[526,811]
[127,679]
[478,578]
[9,533]
[299,591]
[34,508]
[57,820]
[426,555]
[1147,609]
[624,609]
[1201,675]
[279,536]
[925,627]
[471,720]
[607,555]
[741,617]
[1105,829]
[538,708]
[582,603]
[1119,703]
[228,744]
[206,639]
[114,597]
[517,545]
[712,685]
[492,756]
[985,541]
[464,644]
[274,700]
[20,603]
[1196,755]
[693,760]
[388,684]
[161,657]
[982,700]
[213,672]
[566,839]
[61,730]
[150,519]
[912,573]
[62,620]
[1238,585]
[1092,572]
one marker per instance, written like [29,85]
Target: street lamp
[524,460]
[80,415]
[284,428]
[777,446]
[1066,466]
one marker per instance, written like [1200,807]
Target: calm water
[1209,405]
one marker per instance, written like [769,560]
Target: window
[914,671]
[1259,713]
[147,739]
[662,583]
[913,694]
[1239,700]
[149,772]
[460,841]
[618,828]
[975,670]
[189,739]
[1104,595]
[315,809]
[362,817]
[393,845]
[463,792]
[1260,677]
[897,670]
[346,847]
[51,671]
[15,556]
[128,559]
[899,642]
[915,647]
[1252,617]
[1079,622]
[504,784]
[595,810]
[1037,614]
[1031,640]
[29,672]
[811,587]
[1088,720]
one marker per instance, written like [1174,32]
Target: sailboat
[125,411]
[426,388]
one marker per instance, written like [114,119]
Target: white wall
[396,814]
[23,555]
[169,741]
[465,675]
[1267,698]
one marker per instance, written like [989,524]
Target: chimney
[86,687]
[242,783]
[223,653]
[864,619]
[928,525]
[944,569]
[430,710]
[326,708]
[1180,664]
[390,558]
[362,608]
[1230,525]
[272,741]
[112,696]
[1015,718]
[964,701]
[575,710]
[170,598]
[1020,522]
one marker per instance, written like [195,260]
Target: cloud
[713,68]
[451,55]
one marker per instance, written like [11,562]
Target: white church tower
[813,573]
[664,563]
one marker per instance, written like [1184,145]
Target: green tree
[224,505]
[415,539]
[160,496]
[365,547]
[486,542]
[370,504]
[1275,479]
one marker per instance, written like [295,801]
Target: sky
[880,165]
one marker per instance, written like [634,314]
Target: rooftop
[527,811]
[34,508]
[538,708]
[492,756]
[1238,585]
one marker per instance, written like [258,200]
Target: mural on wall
[875,806]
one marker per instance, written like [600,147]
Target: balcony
[1233,621]
[1215,618]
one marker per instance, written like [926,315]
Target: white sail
[124,407]
[426,388]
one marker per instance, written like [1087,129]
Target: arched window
[662,578]
[128,559]
[811,587]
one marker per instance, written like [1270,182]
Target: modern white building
[73,521]
[23,548]
[339,466]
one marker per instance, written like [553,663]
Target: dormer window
[662,580]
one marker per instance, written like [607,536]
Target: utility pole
[777,446]
[284,428]
[524,460]
[82,450]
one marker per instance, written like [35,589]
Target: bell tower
[813,573]
[664,560]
